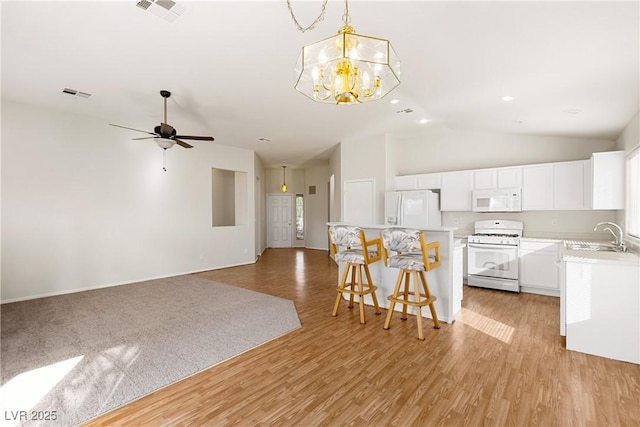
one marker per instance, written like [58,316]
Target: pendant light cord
[164,159]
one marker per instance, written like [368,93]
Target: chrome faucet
[618,242]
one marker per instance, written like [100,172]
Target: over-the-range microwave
[497,200]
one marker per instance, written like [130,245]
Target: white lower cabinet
[538,262]
[600,307]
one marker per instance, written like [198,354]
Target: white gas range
[492,257]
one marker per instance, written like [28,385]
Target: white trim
[316,249]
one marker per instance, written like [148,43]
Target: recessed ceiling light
[394,101]
[506,98]
[423,121]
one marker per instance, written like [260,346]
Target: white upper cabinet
[430,181]
[407,182]
[597,183]
[569,179]
[425,181]
[509,177]
[487,179]
[555,186]
[607,180]
[455,194]
[537,187]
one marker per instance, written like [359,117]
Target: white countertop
[600,257]
[381,226]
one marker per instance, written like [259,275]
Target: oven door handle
[490,246]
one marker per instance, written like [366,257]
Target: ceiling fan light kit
[348,68]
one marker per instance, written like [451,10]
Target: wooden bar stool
[347,244]
[407,250]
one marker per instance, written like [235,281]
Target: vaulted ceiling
[571,67]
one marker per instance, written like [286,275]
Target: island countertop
[380,227]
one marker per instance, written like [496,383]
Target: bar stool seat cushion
[409,261]
[353,255]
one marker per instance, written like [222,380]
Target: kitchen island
[445,282]
[600,303]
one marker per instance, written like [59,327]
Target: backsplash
[542,224]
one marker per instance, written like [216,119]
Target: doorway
[279,220]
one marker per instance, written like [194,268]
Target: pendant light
[283,187]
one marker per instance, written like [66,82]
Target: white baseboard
[109,285]
[316,249]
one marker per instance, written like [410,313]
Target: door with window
[280,220]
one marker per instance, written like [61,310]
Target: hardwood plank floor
[502,362]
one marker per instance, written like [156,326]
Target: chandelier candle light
[347,68]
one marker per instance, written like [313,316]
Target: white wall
[83,206]
[317,207]
[365,158]
[335,163]
[629,138]
[439,149]
[260,205]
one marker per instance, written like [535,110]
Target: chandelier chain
[319,19]
[345,17]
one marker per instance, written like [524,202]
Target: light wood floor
[502,362]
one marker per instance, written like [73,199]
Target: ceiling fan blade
[196,138]
[137,130]
[144,137]
[182,143]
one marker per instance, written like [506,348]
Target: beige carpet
[73,357]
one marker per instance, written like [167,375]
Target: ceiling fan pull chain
[320,17]
[164,159]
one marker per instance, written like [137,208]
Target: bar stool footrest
[423,302]
[367,291]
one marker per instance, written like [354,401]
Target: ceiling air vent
[76,92]
[165,9]
[405,111]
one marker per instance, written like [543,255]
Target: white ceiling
[229,65]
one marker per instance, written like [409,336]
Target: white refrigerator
[413,209]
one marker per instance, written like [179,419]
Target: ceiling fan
[164,134]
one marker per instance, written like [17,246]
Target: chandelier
[348,68]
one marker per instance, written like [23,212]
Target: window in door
[299,217]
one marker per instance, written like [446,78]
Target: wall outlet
[456,220]
[554,222]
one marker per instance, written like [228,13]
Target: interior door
[279,220]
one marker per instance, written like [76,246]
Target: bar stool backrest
[348,243]
[410,247]
[345,236]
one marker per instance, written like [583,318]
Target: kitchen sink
[584,246]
